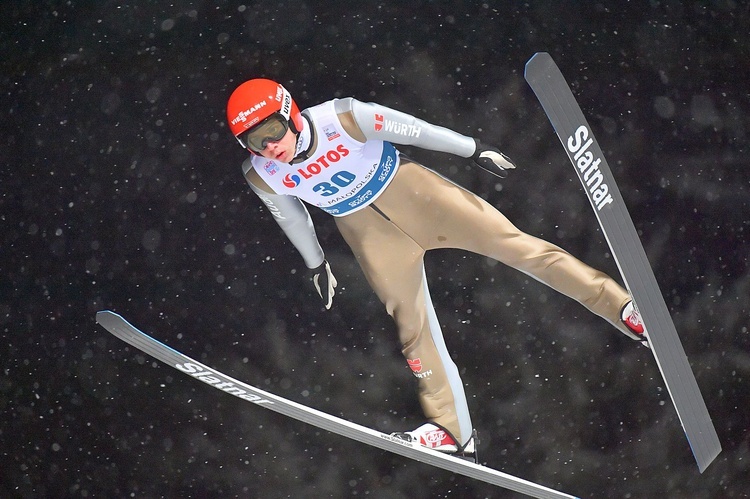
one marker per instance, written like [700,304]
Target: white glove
[325,283]
[491,159]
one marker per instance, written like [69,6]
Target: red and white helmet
[257,100]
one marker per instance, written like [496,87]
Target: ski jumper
[390,211]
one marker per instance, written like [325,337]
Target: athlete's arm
[291,215]
[383,123]
[367,120]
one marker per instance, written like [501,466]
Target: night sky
[121,189]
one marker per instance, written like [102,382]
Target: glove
[325,283]
[491,159]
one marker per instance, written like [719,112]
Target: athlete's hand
[325,283]
[491,159]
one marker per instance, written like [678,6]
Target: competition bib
[342,175]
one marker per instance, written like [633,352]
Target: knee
[409,322]
[410,331]
[521,251]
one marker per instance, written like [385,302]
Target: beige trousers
[419,211]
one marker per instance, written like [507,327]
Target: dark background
[121,189]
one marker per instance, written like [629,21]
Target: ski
[571,127]
[121,328]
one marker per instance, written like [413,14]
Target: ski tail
[583,150]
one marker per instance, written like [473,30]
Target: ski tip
[537,57]
[539,54]
[103,315]
[537,60]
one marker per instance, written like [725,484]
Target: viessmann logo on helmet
[243,115]
[292,180]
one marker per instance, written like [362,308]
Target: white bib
[342,175]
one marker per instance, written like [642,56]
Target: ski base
[121,328]
[571,127]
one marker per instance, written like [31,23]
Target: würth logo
[416,368]
[415,364]
[397,127]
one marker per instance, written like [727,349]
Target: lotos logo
[315,167]
[415,364]
[291,181]
[378,122]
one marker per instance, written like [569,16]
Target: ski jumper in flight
[340,157]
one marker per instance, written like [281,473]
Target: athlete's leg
[440,214]
[393,265]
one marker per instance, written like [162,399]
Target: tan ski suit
[418,211]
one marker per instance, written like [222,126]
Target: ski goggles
[271,129]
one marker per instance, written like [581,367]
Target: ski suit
[391,210]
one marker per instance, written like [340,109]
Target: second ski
[584,152]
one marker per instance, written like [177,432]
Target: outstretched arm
[373,121]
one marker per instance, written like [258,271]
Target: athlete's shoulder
[344,105]
[322,107]
[336,112]
[253,178]
[247,165]
[346,110]
[325,111]
[338,105]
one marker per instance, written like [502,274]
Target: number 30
[340,179]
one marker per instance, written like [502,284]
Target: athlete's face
[281,150]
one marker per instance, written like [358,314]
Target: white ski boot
[632,320]
[438,438]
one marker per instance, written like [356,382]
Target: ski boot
[438,438]
[632,320]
